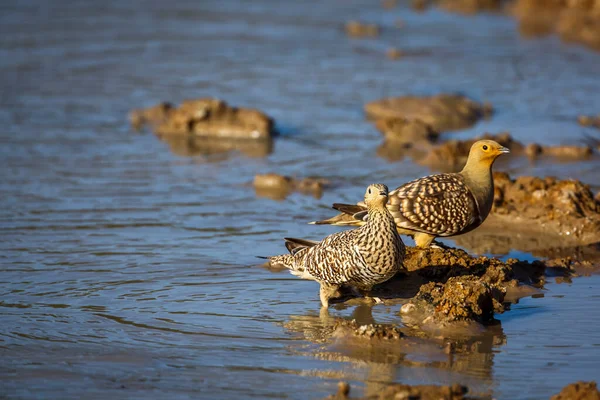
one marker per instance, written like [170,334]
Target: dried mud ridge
[419,141]
[573,391]
[205,117]
[278,187]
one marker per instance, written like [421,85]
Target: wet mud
[206,117]
[278,187]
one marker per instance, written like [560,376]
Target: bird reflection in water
[189,146]
[380,357]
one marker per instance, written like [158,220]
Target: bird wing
[333,258]
[440,205]
[294,245]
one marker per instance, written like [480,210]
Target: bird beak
[504,150]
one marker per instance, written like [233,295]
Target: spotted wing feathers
[441,205]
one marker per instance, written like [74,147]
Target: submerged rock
[578,391]
[205,117]
[442,112]
[278,187]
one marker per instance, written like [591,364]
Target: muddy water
[129,270]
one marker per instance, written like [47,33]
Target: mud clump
[566,207]
[394,53]
[278,187]
[400,391]
[459,299]
[585,120]
[578,391]
[573,21]
[370,331]
[206,117]
[359,29]
[443,112]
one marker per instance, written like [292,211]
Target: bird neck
[379,214]
[479,178]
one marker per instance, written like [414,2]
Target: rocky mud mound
[462,288]
[278,187]
[205,117]
[566,208]
[441,113]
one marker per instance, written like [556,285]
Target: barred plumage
[360,258]
[438,205]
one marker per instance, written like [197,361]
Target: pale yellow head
[483,153]
[376,195]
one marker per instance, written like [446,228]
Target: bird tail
[351,215]
[287,261]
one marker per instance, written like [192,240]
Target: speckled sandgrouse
[360,258]
[437,205]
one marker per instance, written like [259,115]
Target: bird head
[376,194]
[485,152]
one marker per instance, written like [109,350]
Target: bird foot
[377,300]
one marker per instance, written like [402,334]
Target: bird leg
[365,294]
[423,240]
[327,292]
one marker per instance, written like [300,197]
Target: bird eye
[485,147]
[369,191]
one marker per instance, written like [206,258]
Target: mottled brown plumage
[360,258]
[438,205]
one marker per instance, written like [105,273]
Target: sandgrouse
[437,205]
[359,258]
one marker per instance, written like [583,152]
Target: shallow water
[129,270]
